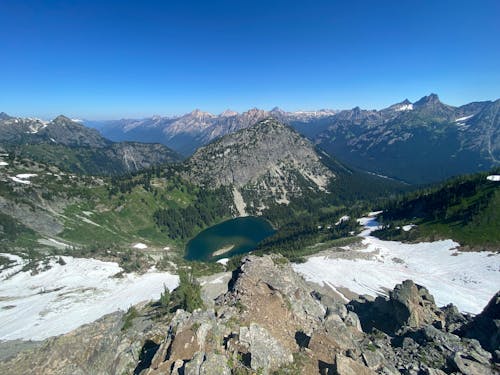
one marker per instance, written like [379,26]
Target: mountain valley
[102,227]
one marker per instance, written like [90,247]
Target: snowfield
[466,279]
[66,296]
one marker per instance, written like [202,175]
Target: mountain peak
[277,109]
[429,99]
[199,113]
[4,116]
[229,113]
[61,119]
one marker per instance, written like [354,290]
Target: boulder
[347,366]
[485,327]
[409,305]
[266,353]
[215,364]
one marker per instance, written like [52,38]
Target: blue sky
[113,59]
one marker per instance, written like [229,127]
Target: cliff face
[269,319]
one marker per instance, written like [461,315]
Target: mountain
[77,148]
[422,142]
[270,163]
[187,133]
[466,209]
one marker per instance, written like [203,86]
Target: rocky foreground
[271,321]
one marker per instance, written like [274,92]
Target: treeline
[295,239]
[125,183]
[209,207]
[459,200]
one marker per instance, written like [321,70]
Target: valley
[123,248]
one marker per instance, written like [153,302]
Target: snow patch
[405,107]
[342,219]
[461,119]
[66,296]
[140,246]
[408,227]
[3,163]
[466,279]
[15,179]
[223,261]
[494,177]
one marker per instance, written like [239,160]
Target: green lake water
[241,235]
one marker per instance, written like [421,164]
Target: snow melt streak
[466,279]
[64,297]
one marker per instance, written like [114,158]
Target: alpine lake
[231,237]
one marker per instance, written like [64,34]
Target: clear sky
[114,59]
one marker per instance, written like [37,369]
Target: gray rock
[215,364]
[352,320]
[373,359]
[193,366]
[266,352]
[347,366]
[485,327]
[468,366]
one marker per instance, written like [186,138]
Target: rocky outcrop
[409,305]
[102,347]
[485,327]
[270,320]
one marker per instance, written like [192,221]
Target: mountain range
[78,148]
[421,142]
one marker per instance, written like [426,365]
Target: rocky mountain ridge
[420,142]
[271,321]
[188,132]
[71,145]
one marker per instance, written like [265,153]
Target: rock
[193,366]
[409,305]
[373,359]
[485,327]
[215,364]
[433,371]
[347,366]
[454,320]
[177,369]
[352,320]
[266,353]
[468,366]
[413,305]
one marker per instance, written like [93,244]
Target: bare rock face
[409,305]
[266,352]
[485,327]
[413,305]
